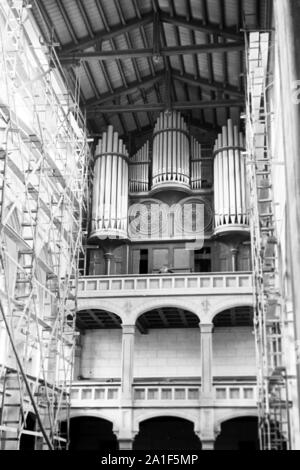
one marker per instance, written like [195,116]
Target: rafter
[105,35]
[121,91]
[141,328]
[203,83]
[148,52]
[163,318]
[198,25]
[179,105]
[114,319]
[96,318]
[183,318]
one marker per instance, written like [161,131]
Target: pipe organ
[178,162]
[171,152]
[110,191]
[139,170]
[230,180]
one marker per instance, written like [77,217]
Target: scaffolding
[43,176]
[273,394]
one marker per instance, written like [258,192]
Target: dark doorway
[144,262]
[88,433]
[202,260]
[239,434]
[27,442]
[166,433]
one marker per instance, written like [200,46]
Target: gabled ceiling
[135,58]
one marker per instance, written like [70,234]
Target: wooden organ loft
[172,207]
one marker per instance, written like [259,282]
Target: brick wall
[233,352]
[101,354]
[171,353]
[168,353]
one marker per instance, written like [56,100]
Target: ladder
[273,399]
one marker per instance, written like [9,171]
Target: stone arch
[167,430]
[190,416]
[164,302]
[92,431]
[233,302]
[229,415]
[101,414]
[94,304]
[238,432]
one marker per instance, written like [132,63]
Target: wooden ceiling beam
[122,91]
[178,105]
[141,328]
[113,32]
[204,83]
[198,25]
[148,52]
[163,318]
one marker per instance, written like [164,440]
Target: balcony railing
[95,394]
[168,395]
[119,286]
[228,393]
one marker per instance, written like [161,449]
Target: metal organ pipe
[171,152]
[139,170]
[230,179]
[196,164]
[110,189]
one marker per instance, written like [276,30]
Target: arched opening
[27,441]
[167,433]
[90,433]
[99,346]
[167,346]
[239,434]
[234,345]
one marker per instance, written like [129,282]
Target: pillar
[208,445]
[127,363]
[206,359]
[108,262]
[125,435]
[234,253]
[125,443]
[206,431]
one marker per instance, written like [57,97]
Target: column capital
[208,444]
[206,327]
[108,256]
[128,329]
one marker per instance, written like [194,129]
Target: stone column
[127,363]
[206,360]
[208,445]
[234,253]
[125,443]
[206,432]
[126,435]
[108,262]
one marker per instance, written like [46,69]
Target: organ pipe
[196,165]
[139,170]
[110,189]
[230,179]
[171,152]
